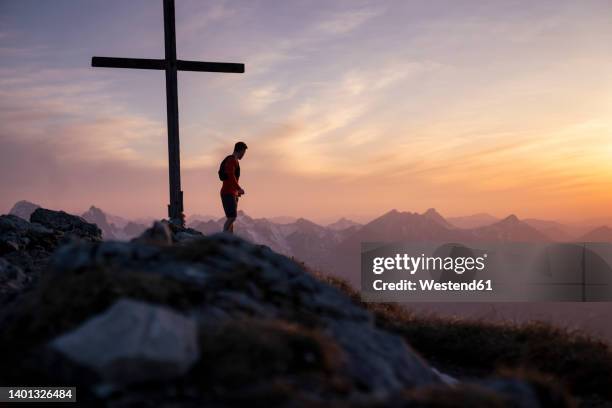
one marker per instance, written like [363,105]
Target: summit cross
[171,65]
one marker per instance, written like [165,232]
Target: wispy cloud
[346,21]
[21,52]
[202,15]
[74,112]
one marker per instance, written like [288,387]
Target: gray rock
[133,342]
[80,256]
[17,234]
[159,234]
[68,224]
[241,304]
[166,233]
[8,245]
[26,247]
[445,378]
[379,361]
[12,278]
[183,236]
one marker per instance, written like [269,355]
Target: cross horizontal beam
[161,64]
[231,67]
[141,63]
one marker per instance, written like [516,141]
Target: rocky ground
[175,318]
[25,247]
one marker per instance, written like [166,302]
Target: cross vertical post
[175,208]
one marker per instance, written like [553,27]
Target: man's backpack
[222,175]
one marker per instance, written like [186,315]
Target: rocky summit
[176,318]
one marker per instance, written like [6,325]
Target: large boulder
[70,225]
[17,234]
[133,341]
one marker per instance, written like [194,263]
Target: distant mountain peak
[95,210]
[96,216]
[342,224]
[243,214]
[193,218]
[24,202]
[511,219]
[23,209]
[599,234]
[435,216]
[393,214]
[304,221]
[511,229]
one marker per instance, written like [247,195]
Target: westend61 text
[430,284]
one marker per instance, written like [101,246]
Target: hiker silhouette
[229,173]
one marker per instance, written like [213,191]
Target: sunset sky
[350,108]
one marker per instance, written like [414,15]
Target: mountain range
[113,227]
[335,247]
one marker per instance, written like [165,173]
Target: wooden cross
[171,65]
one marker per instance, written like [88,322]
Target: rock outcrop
[17,234]
[26,246]
[70,225]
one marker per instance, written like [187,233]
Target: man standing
[229,172]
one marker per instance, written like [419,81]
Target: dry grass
[251,351]
[579,362]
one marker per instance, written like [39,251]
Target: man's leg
[235,213]
[229,225]
[229,207]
